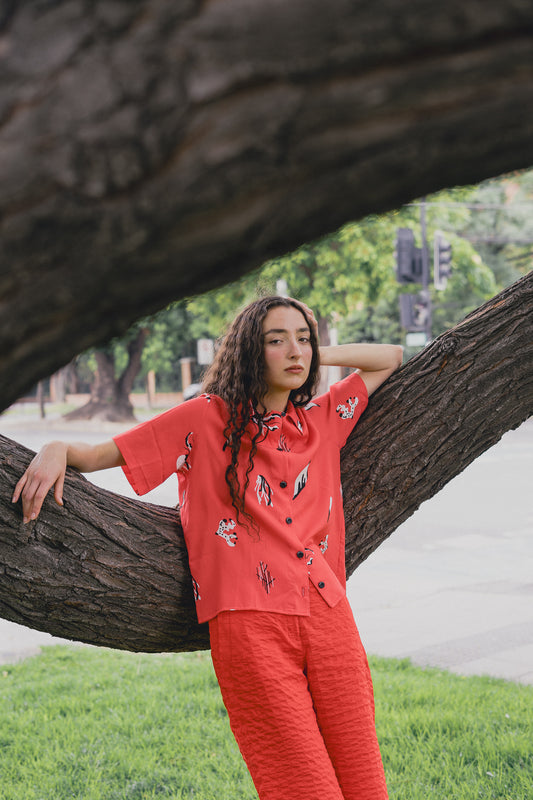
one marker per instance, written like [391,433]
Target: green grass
[445,736]
[103,725]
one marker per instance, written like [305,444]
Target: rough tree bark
[151,149]
[113,571]
[110,394]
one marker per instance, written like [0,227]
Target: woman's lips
[294,369]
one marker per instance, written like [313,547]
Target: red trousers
[300,702]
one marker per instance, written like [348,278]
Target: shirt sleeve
[155,449]
[343,405]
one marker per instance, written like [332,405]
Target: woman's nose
[294,348]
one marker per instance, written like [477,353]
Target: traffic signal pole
[425,269]
[412,267]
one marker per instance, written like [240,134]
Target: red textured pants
[300,702]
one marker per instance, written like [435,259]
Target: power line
[475,206]
[495,239]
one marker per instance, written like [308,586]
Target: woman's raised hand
[309,314]
[46,470]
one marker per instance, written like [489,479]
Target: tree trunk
[110,396]
[151,149]
[113,571]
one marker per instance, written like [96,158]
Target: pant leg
[259,662]
[341,687]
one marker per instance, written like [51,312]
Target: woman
[257,458]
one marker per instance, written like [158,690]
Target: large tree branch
[151,149]
[113,571]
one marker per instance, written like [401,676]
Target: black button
[321,584]
[300,554]
[283,484]
[288,520]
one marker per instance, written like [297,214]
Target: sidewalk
[451,588]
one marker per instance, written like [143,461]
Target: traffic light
[414,312]
[408,257]
[442,258]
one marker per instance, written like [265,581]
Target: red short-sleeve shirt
[294,495]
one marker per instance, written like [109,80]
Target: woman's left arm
[375,362]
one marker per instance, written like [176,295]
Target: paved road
[452,587]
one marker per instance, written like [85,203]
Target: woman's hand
[46,470]
[375,362]
[49,466]
[309,313]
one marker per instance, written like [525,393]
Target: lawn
[98,724]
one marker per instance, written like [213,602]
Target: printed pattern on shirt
[196,590]
[225,526]
[269,425]
[347,411]
[282,445]
[263,491]
[267,422]
[301,481]
[265,577]
[183,460]
[324,544]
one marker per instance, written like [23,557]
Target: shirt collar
[290,413]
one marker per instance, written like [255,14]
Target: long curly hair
[237,375]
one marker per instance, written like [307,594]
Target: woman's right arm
[48,469]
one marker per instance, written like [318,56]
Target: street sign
[414,311]
[418,339]
[205,351]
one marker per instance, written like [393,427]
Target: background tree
[501,226]
[117,367]
[155,344]
[349,277]
[170,340]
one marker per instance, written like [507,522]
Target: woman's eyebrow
[284,330]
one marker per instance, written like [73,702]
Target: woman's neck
[274,403]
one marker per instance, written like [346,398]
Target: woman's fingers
[309,312]
[33,499]
[46,470]
[25,489]
[58,489]
[312,319]
[33,495]
[19,487]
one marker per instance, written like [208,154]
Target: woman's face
[287,352]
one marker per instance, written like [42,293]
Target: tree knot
[448,344]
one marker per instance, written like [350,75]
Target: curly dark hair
[237,375]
